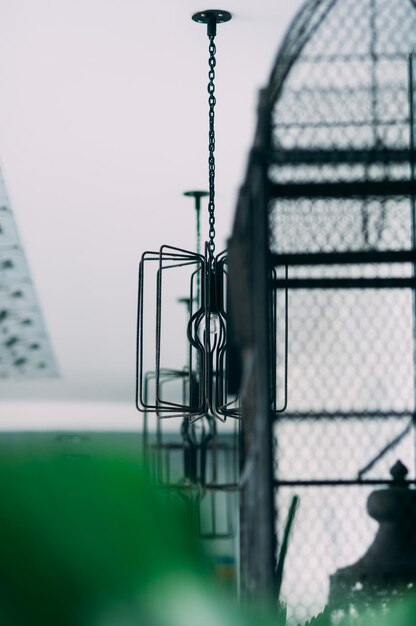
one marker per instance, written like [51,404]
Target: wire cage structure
[199,463]
[182,384]
[201,385]
[191,393]
[322,274]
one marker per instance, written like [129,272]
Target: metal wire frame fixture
[203,382]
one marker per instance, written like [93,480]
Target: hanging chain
[211,145]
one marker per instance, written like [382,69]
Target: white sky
[103,125]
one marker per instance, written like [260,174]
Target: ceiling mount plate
[196,194]
[212,17]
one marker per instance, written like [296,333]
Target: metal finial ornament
[204,378]
[197,195]
[388,568]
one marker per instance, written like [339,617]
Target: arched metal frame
[323,252]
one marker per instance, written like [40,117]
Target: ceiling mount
[203,380]
[196,194]
[212,17]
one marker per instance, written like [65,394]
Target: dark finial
[197,195]
[399,472]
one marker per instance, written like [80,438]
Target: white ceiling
[103,125]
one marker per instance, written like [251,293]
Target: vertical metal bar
[258,542]
[145,441]
[158,326]
[212,495]
[283,408]
[230,473]
[167,462]
[214,453]
[158,448]
[412,138]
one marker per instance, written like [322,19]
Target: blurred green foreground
[90,541]
[87,541]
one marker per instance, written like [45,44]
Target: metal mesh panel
[344,224]
[332,528]
[340,226]
[330,185]
[348,351]
[348,84]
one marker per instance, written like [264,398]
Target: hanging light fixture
[203,382]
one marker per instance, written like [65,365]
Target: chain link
[211,145]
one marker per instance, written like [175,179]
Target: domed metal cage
[322,273]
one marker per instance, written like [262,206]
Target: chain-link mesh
[344,355]
[335,134]
[332,527]
[347,85]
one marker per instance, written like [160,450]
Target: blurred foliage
[91,542]
[79,534]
